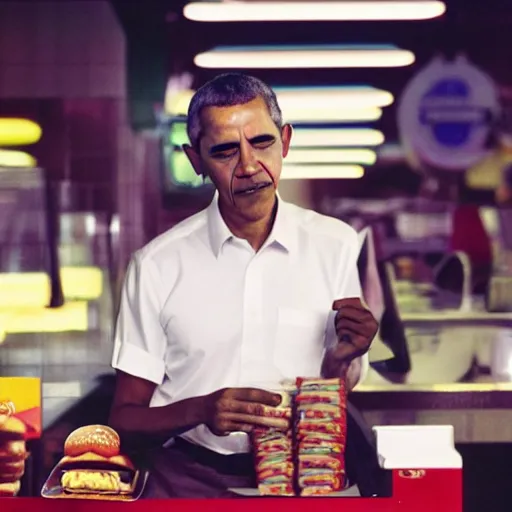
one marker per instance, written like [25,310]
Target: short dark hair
[228,90]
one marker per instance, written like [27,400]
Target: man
[220,309]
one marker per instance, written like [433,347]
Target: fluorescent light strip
[325,137]
[307,115]
[313,103]
[331,156]
[313,11]
[319,172]
[305,59]
[9,158]
[19,132]
[332,97]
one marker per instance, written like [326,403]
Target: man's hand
[355,329]
[240,410]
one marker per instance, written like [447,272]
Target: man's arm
[142,426]
[354,324]
[357,371]
[227,410]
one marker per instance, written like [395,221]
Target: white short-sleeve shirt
[201,310]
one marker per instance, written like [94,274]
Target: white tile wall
[61,49]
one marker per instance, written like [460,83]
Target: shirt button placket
[252,315]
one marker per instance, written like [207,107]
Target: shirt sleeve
[140,341]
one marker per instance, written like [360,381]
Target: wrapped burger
[320,436]
[273,451]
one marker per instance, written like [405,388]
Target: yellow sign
[23,392]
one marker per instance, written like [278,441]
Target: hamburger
[93,463]
[7,410]
[13,454]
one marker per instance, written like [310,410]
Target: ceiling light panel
[235,11]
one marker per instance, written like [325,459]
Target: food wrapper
[320,436]
[273,452]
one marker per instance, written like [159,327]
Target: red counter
[415,490]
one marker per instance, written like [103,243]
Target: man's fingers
[259,396]
[237,406]
[353,302]
[349,325]
[241,427]
[261,421]
[354,313]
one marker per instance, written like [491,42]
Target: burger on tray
[92,467]
[13,452]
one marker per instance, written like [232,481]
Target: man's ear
[286,137]
[193,157]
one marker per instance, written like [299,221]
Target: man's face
[242,150]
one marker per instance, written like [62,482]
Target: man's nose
[248,164]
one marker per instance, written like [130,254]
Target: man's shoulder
[320,225]
[169,241]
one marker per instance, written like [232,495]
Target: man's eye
[263,144]
[224,155]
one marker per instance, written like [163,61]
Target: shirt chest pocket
[299,342]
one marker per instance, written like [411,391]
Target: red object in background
[414,490]
[32,420]
[469,236]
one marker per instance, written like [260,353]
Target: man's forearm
[142,427]
[354,373]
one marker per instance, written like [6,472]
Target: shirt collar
[284,231]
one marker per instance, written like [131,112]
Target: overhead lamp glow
[319,172]
[332,137]
[19,132]
[177,102]
[332,97]
[313,11]
[326,115]
[331,156]
[304,57]
[299,104]
[10,158]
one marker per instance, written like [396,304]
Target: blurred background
[402,115]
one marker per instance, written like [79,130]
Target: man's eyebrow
[266,137]
[219,148]
[226,146]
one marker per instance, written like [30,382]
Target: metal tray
[52,489]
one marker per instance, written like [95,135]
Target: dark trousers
[188,471]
